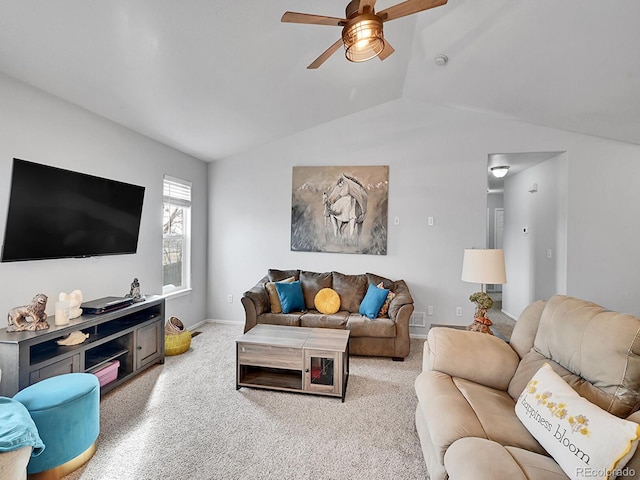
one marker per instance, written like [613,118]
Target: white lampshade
[484,266]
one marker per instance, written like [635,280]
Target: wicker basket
[177,343]
[174,326]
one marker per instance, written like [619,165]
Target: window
[176,235]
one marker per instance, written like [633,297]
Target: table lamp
[483,266]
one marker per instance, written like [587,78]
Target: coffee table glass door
[322,370]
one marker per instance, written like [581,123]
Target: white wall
[603,224]
[42,128]
[531,274]
[495,200]
[438,160]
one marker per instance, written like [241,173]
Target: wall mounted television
[57,213]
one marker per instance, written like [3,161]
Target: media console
[133,335]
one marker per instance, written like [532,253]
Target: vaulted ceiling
[214,78]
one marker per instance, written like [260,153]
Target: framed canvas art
[340,209]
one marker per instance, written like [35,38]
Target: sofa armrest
[474,356]
[402,297]
[632,469]
[255,302]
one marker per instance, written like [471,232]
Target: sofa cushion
[373,301]
[278,275]
[314,319]
[289,319]
[274,300]
[327,301]
[312,283]
[457,408]
[351,289]
[600,347]
[482,459]
[290,295]
[361,326]
[579,435]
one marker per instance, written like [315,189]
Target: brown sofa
[470,382]
[384,337]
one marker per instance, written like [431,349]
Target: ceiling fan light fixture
[363,38]
[500,171]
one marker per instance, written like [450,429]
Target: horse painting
[340,209]
[345,208]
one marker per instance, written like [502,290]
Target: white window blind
[176,191]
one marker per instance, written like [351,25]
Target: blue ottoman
[66,410]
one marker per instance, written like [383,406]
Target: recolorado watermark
[588,472]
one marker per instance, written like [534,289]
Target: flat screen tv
[56,213]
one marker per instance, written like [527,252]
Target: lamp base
[481,324]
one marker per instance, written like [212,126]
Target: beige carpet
[501,321]
[185,420]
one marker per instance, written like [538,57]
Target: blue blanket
[17,429]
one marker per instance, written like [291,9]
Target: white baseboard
[223,322]
[212,320]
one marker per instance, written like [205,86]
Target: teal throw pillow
[373,301]
[290,295]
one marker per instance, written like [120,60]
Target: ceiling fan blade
[326,54]
[386,51]
[408,8]
[366,6]
[307,18]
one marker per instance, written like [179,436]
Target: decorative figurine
[135,292]
[480,321]
[74,338]
[75,300]
[18,316]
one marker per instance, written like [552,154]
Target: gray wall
[42,128]
[531,274]
[438,159]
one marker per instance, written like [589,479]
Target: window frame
[176,192]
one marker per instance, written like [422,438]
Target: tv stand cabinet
[133,335]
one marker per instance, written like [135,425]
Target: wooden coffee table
[294,359]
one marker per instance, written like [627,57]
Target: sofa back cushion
[312,283]
[278,275]
[595,351]
[525,329]
[351,289]
[377,279]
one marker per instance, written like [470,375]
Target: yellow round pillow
[327,301]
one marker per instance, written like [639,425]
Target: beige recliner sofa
[470,381]
[379,337]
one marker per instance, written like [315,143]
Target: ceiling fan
[362,34]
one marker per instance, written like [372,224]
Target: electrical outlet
[458,311]
[429,310]
[229,298]
[396,221]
